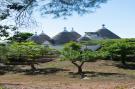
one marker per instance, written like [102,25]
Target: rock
[85,78]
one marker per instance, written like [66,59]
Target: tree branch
[78,64]
[24,9]
[75,63]
[82,63]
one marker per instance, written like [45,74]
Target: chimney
[65,29]
[103,26]
[72,30]
[36,33]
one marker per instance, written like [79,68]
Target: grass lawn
[59,75]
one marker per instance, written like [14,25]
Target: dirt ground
[58,75]
[67,84]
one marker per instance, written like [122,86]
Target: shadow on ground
[5,69]
[45,71]
[15,69]
[93,74]
[128,66]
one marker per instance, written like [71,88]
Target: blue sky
[117,15]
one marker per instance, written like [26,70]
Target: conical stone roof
[83,38]
[40,38]
[65,37]
[75,35]
[43,37]
[107,34]
[34,38]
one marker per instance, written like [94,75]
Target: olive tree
[3,52]
[20,36]
[78,57]
[25,52]
[121,47]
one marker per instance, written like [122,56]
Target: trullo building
[102,33]
[42,38]
[65,37]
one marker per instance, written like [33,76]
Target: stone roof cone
[106,33]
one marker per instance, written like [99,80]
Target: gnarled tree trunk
[123,60]
[32,66]
[78,66]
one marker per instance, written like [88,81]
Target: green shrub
[119,48]
[23,52]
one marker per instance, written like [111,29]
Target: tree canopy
[21,36]
[27,53]
[73,53]
[120,47]
[57,8]
[4,30]
[22,10]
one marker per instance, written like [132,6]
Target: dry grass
[58,75]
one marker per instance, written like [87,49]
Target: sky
[117,15]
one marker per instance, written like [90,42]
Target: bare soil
[59,75]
